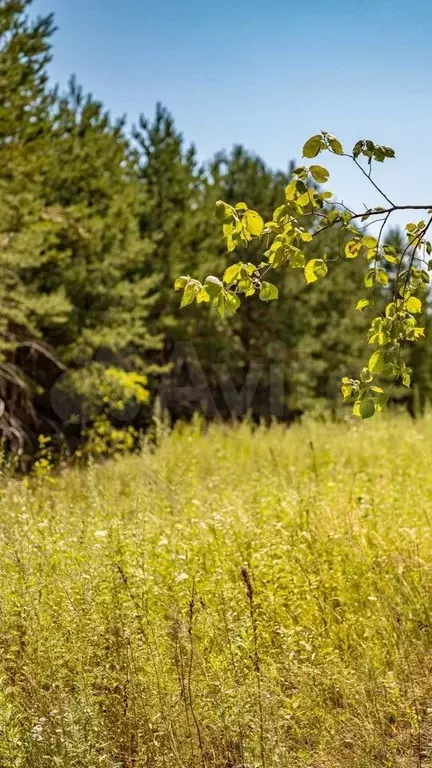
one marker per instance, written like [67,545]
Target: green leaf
[369,242]
[226,300]
[232,301]
[406,379]
[232,273]
[353,248]
[319,173]
[362,304]
[367,408]
[246,286]
[307,199]
[300,172]
[279,212]
[346,387]
[414,305]
[313,146]
[366,375]
[231,236]
[253,222]
[190,291]
[220,303]
[377,361]
[334,144]
[305,236]
[268,292]
[358,148]
[202,296]
[379,154]
[181,282]
[382,276]
[296,258]
[315,269]
[390,258]
[223,211]
[279,256]
[389,249]
[213,286]
[294,189]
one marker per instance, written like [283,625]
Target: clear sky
[265,74]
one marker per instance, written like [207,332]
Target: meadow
[233,598]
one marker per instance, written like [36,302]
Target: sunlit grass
[232,599]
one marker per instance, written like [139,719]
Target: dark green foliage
[102,257]
[71,254]
[26,225]
[95,226]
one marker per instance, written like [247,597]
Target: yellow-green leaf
[414,305]
[352,249]
[268,292]
[296,258]
[382,276]
[346,387]
[232,273]
[223,210]
[306,237]
[319,173]
[253,222]
[202,296]
[377,361]
[315,269]
[334,144]
[213,286]
[362,304]
[181,282]
[369,242]
[367,408]
[190,291]
[313,146]
[232,300]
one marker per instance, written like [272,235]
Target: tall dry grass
[232,599]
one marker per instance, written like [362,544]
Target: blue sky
[267,75]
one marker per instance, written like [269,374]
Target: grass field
[231,599]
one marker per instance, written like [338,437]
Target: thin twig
[368,176]
[257,661]
[189,674]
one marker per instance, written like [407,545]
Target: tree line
[97,220]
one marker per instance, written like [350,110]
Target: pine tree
[24,55]
[102,260]
[25,223]
[71,256]
[171,213]
[178,215]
